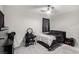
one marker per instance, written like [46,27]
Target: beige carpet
[38,49]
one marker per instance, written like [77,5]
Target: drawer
[2,42]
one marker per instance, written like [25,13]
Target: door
[45,25]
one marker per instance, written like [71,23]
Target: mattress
[39,49]
[46,38]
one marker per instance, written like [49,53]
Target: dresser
[3,38]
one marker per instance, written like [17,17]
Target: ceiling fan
[47,8]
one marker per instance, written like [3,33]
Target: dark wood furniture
[3,38]
[70,41]
[61,38]
[60,35]
[8,48]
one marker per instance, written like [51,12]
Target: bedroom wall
[1,8]
[68,22]
[19,18]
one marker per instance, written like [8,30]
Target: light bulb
[48,12]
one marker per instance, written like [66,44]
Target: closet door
[45,25]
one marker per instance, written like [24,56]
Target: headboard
[60,35]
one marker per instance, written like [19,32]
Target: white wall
[68,22]
[19,18]
[1,8]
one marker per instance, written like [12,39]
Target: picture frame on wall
[45,25]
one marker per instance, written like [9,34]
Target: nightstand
[70,41]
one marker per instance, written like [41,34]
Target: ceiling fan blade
[43,10]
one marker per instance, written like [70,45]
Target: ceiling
[58,9]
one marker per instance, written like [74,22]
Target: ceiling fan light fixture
[48,12]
